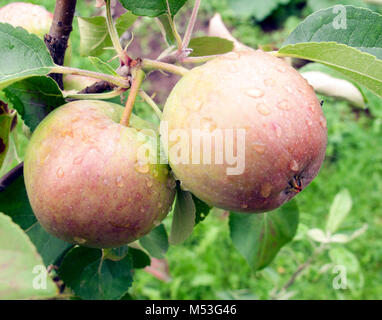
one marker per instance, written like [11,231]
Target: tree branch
[11,176]
[57,39]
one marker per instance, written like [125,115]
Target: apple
[33,18]
[278,129]
[94,182]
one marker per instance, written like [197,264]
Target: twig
[98,87]
[150,65]
[57,39]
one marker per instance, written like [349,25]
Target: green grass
[207,266]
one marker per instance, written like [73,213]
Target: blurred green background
[207,266]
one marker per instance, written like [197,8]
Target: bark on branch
[57,39]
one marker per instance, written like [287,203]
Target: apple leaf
[94,278]
[259,237]
[167,30]
[153,8]
[208,46]
[95,35]
[339,210]
[102,66]
[259,9]
[343,257]
[19,278]
[139,258]
[363,68]
[14,201]
[34,98]
[183,220]
[22,55]
[315,5]
[156,242]
[202,210]
[6,119]
[359,28]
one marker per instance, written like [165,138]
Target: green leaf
[324,4]
[139,258]
[6,119]
[259,237]
[339,210]
[361,67]
[102,66]
[169,34]
[359,28]
[208,46]
[156,242]
[153,8]
[183,221]
[14,201]
[92,278]
[95,35]
[342,256]
[34,98]
[260,9]
[116,254]
[22,274]
[202,209]
[22,55]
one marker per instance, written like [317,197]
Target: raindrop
[142,168]
[120,182]
[323,122]
[284,105]
[259,147]
[254,93]
[60,173]
[263,109]
[78,160]
[294,166]
[266,190]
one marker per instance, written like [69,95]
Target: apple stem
[119,81]
[150,65]
[191,25]
[151,103]
[123,56]
[135,86]
[95,96]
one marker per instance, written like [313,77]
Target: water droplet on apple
[60,173]
[142,168]
[120,183]
[78,160]
[254,93]
[259,147]
[263,109]
[284,105]
[266,190]
[323,122]
[278,129]
[294,166]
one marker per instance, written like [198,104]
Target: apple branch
[11,176]
[150,65]
[57,39]
[134,91]
[191,25]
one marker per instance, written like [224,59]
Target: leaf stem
[121,82]
[95,96]
[135,86]
[173,28]
[114,35]
[191,25]
[151,103]
[150,65]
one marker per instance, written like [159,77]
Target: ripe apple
[94,182]
[256,96]
[33,18]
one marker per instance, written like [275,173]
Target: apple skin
[33,18]
[286,133]
[85,181]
